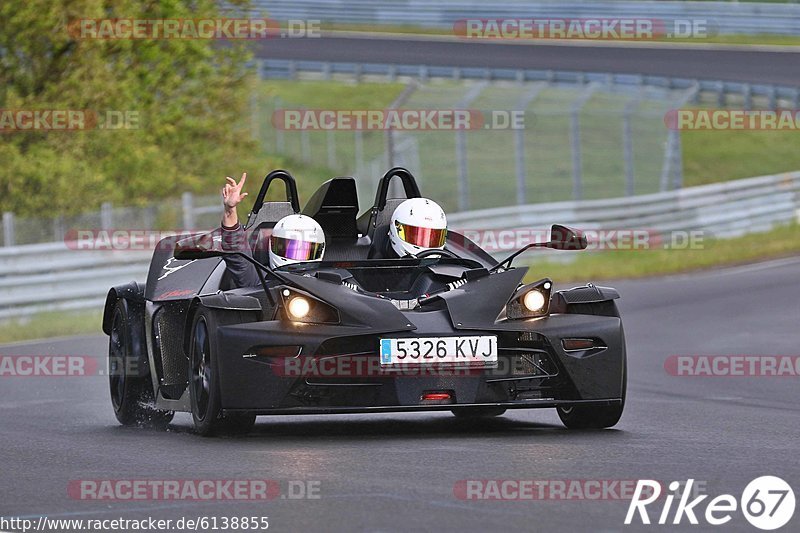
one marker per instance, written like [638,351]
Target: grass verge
[50,324]
[779,242]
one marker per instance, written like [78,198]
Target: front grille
[523,363]
[533,363]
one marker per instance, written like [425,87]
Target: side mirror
[198,247]
[564,238]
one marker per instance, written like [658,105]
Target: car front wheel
[204,390]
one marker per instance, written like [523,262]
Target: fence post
[519,153]
[106,215]
[461,148]
[358,150]
[519,138]
[627,142]
[187,206]
[389,137]
[59,232]
[748,96]
[9,235]
[255,130]
[305,145]
[461,164]
[331,149]
[677,180]
[669,160]
[575,140]
[280,142]
[575,144]
[627,150]
[673,157]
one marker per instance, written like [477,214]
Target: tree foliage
[191,97]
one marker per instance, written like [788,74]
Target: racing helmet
[418,224]
[296,239]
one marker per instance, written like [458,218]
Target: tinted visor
[296,249]
[422,237]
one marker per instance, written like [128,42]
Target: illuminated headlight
[533,301]
[530,301]
[299,307]
[302,307]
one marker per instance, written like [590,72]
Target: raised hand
[231,195]
[232,192]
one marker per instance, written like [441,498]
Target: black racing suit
[243,273]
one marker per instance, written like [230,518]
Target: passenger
[294,239]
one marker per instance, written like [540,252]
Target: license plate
[480,351]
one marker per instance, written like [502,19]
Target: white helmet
[296,239]
[418,224]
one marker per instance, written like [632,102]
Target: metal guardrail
[726,209]
[56,277]
[726,17]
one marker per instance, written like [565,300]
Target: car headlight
[301,307]
[530,301]
[298,307]
[534,301]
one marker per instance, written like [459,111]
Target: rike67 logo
[767,503]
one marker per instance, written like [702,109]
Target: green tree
[191,97]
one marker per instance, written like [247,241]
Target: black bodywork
[360,294]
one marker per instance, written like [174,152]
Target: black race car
[362,331]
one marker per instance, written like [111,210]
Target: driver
[295,238]
[418,224]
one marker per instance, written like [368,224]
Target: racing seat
[335,206]
[266,214]
[375,222]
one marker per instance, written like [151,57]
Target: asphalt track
[729,63]
[398,472]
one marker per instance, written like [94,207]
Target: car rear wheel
[204,390]
[478,412]
[131,392]
[596,416]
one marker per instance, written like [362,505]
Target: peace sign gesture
[232,192]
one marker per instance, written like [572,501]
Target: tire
[478,412]
[204,390]
[592,416]
[131,394]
